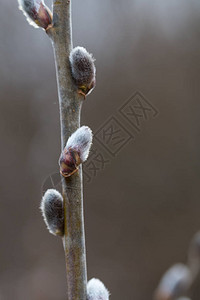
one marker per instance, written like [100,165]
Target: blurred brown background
[142,210]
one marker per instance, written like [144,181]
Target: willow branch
[63,214]
[70,103]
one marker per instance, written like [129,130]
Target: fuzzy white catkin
[183,298]
[27,6]
[81,141]
[96,290]
[82,66]
[194,250]
[53,212]
[175,282]
[36,12]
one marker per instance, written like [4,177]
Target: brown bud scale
[69,162]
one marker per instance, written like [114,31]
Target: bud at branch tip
[36,12]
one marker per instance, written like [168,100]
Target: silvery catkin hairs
[52,211]
[96,290]
[83,70]
[76,151]
[36,12]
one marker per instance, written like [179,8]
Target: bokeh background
[143,209]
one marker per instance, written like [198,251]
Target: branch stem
[70,103]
